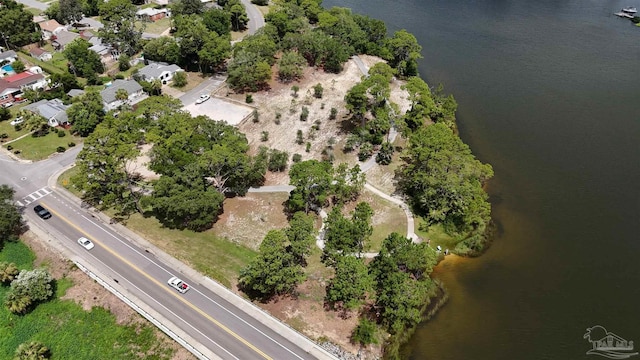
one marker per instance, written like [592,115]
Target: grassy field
[155,27]
[38,148]
[69,331]
[6,128]
[438,236]
[213,256]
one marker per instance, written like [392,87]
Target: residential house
[151,14]
[11,87]
[133,89]
[161,71]
[40,54]
[106,52]
[75,92]
[63,38]
[8,56]
[50,28]
[53,110]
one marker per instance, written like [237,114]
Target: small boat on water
[624,15]
[630,10]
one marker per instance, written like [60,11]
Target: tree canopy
[84,62]
[16,25]
[10,218]
[120,30]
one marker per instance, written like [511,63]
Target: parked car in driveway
[16,121]
[42,212]
[178,284]
[86,243]
[203,98]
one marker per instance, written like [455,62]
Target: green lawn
[437,235]
[69,331]
[38,148]
[155,27]
[34,11]
[50,68]
[6,128]
[213,256]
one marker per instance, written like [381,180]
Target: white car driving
[203,98]
[178,284]
[86,243]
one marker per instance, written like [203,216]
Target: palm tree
[17,304]
[123,96]
[32,351]
[8,272]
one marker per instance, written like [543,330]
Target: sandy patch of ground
[140,164]
[246,220]
[279,99]
[219,109]
[88,293]
[383,176]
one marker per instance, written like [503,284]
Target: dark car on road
[42,212]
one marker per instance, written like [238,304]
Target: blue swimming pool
[7,68]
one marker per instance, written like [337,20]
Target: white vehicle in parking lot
[178,284]
[86,243]
[203,98]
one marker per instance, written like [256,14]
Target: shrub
[61,133]
[322,106]
[307,147]
[4,136]
[18,66]
[9,147]
[8,272]
[71,144]
[32,351]
[123,62]
[364,333]
[18,127]
[351,143]
[299,137]
[366,150]
[256,116]
[317,91]
[264,136]
[17,152]
[385,154]
[248,99]
[277,160]
[333,114]
[5,114]
[304,115]
[119,77]
[296,158]
[295,89]
[180,79]
[61,149]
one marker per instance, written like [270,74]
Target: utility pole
[5,40]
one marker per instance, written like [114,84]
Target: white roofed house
[151,14]
[160,71]
[132,88]
[50,28]
[8,56]
[53,110]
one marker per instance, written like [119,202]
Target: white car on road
[178,284]
[86,243]
[203,98]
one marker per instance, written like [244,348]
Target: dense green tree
[16,25]
[120,30]
[214,52]
[18,66]
[10,219]
[239,18]
[260,45]
[277,160]
[274,271]
[403,53]
[153,88]
[86,113]
[376,33]
[70,11]
[164,49]
[365,332]
[350,284]
[33,350]
[186,7]
[83,61]
[347,183]
[186,201]
[357,101]
[290,66]
[248,71]
[313,182]
[91,7]
[301,235]
[422,104]
[29,288]
[5,114]
[103,175]
[347,236]
[34,122]
[339,23]
[385,155]
[66,81]
[218,21]
[444,180]
[180,79]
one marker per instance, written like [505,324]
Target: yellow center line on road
[198,310]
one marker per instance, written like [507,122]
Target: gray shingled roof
[8,54]
[66,37]
[154,70]
[75,92]
[50,109]
[109,94]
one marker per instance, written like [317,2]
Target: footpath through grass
[69,331]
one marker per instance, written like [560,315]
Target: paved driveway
[219,109]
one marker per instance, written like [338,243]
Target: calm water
[549,94]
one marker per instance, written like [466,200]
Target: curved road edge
[248,307]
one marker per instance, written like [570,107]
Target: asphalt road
[228,330]
[256,20]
